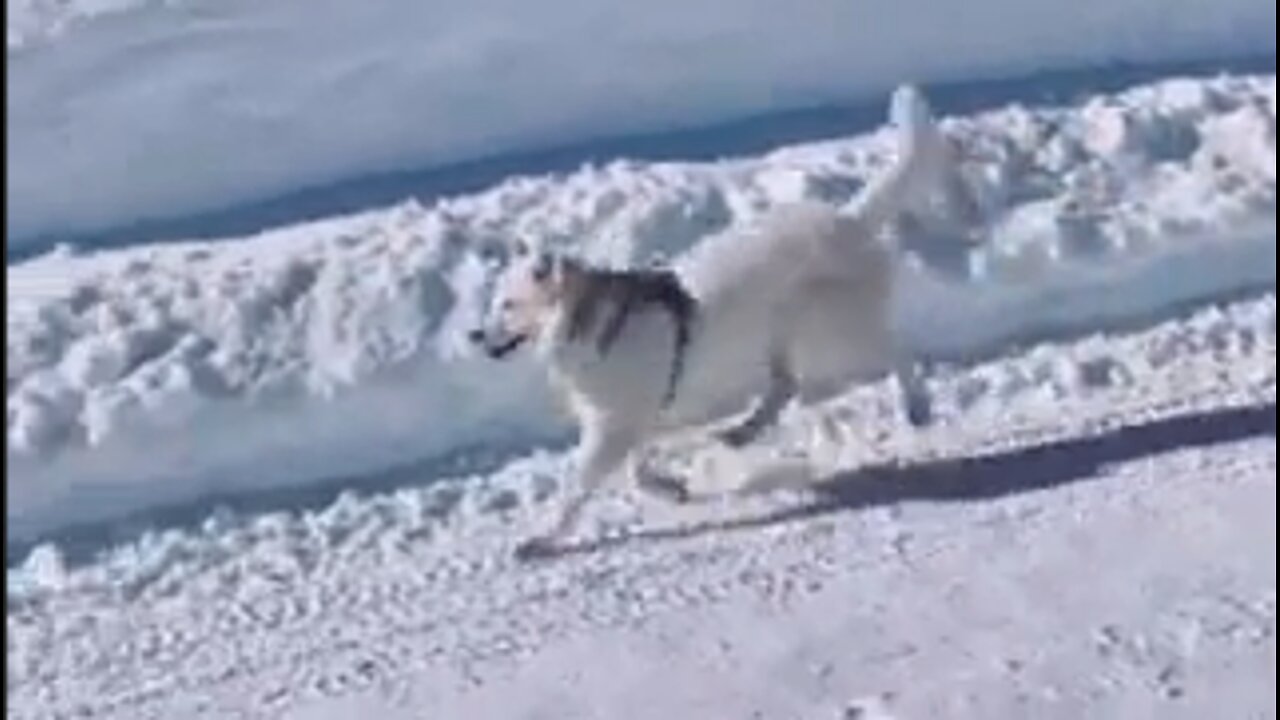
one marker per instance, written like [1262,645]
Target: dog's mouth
[498,350]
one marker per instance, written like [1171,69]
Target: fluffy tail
[924,169]
[925,166]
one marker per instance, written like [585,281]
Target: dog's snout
[477,336]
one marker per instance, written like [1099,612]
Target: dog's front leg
[602,453]
[768,408]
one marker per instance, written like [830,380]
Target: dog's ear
[553,271]
[546,268]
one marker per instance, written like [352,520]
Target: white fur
[796,308]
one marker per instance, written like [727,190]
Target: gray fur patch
[621,293]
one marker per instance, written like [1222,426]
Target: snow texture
[155,376]
[128,110]
[1088,531]
[265,477]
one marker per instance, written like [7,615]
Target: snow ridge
[152,376]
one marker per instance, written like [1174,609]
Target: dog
[794,310]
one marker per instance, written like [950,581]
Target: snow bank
[157,375]
[122,110]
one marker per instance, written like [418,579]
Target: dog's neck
[596,304]
[573,281]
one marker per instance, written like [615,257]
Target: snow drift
[128,110]
[157,375]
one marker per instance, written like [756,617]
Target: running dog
[796,309]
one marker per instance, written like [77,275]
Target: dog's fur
[620,295]
[800,307]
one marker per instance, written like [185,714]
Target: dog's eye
[542,270]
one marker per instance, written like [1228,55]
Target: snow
[1065,542]
[261,475]
[152,377]
[1152,632]
[32,21]
[127,110]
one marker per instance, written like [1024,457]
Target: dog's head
[525,297]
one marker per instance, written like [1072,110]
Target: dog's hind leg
[767,408]
[913,393]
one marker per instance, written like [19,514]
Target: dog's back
[780,249]
[805,279]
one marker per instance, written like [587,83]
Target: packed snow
[154,376]
[128,110]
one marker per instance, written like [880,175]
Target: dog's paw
[535,549]
[666,487]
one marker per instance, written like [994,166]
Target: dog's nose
[476,337]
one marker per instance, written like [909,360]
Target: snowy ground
[262,476]
[1089,532]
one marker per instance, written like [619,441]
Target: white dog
[799,308]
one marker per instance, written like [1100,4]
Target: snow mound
[205,105]
[1219,357]
[151,376]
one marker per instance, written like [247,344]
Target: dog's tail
[925,168]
